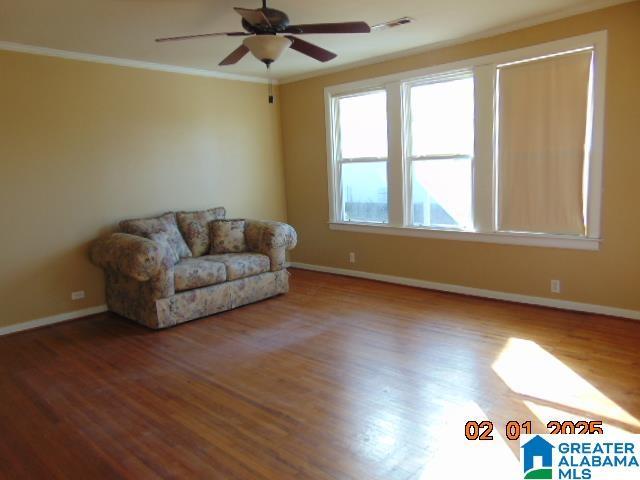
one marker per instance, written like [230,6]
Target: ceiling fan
[269,34]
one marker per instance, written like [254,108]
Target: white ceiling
[126,28]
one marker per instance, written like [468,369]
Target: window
[440,152]
[362,155]
[505,148]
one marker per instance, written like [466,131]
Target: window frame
[484,182]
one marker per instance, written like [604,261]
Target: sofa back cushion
[195,228]
[146,227]
[227,236]
[162,238]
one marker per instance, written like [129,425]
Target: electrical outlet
[352,257]
[555,286]
[79,295]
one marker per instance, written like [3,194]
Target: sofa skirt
[203,302]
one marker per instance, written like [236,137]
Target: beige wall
[610,276]
[83,145]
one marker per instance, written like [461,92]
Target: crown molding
[531,22]
[124,62]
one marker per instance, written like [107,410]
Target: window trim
[503,238]
[398,170]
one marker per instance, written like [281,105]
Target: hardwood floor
[340,379]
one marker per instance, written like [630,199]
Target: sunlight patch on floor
[453,456]
[530,370]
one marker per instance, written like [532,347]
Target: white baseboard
[412,282]
[477,292]
[42,322]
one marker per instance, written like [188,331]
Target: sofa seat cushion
[193,273]
[241,265]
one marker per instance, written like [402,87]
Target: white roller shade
[543,108]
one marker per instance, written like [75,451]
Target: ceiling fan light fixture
[267,48]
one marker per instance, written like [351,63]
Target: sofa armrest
[130,255]
[272,239]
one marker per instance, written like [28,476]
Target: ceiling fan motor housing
[278,19]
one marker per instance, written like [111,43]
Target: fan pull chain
[271,97]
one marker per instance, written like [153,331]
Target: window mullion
[483,177]
[395,168]
[407,160]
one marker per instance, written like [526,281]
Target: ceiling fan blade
[235,56]
[203,35]
[311,50]
[253,17]
[345,27]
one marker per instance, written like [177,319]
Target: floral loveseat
[170,269]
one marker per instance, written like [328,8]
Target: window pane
[441,191]
[363,126]
[364,192]
[442,118]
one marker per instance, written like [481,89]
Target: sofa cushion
[241,265]
[193,273]
[145,227]
[227,236]
[162,238]
[195,228]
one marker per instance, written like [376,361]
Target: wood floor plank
[340,379]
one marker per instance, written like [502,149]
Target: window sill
[527,239]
